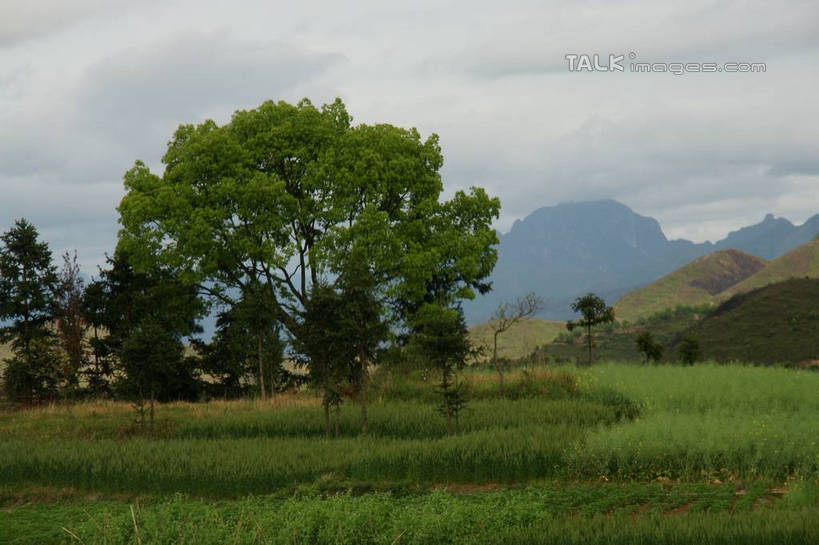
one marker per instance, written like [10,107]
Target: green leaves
[283,194]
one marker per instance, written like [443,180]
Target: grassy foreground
[618,454]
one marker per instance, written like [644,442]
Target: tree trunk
[589,339]
[445,383]
[364,422]
[362,393]
[153,396]
[326,420]
[261,367]
[338,420]
[495,361]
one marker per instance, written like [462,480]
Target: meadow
[614,453]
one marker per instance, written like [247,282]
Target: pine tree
[28,282]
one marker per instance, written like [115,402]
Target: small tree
[137,305]
[28,282]
[321,345]
[236,356]
[651,349]
[255,313]
[689,350]
[507,315]
[93,312]
[441,336]
[594,312]
[364,326]
[71,324]
[151,357]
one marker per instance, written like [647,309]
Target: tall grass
[231,467]
[610,515]
[706,420]
[701,422]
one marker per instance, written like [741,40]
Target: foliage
[689,350]
[33,376]
[364,325]
[283,194]
[594,312]
[649,346]
[245,348]
[320,344]
[152,359]
[567,515]
[441,337]
[774,324]
[71,325]
[667,327]
[28,282]
[132,306]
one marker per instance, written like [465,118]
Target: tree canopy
[282,194]
[594,311]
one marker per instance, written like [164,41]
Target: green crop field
[613,453]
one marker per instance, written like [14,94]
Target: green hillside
[799,263]
[618,342]
[775,323]
[695,284]
[520,339]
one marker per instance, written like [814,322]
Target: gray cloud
[63,151]
[24,20]
[85,89]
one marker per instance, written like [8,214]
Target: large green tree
[28,283]
[282,194]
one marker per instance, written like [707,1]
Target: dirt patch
[469,488]
[680,509]
[640,511]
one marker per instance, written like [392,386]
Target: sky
[89,86]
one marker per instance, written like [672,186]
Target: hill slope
[564,251]
[800,263]
[775,323]
[695,284]
[520,340]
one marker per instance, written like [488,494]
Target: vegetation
[594,313]
[522,338]
[506,316]
[331,242]
[716,453]
[773,324]
[581,514]
[649,347]
[802,262]
[696,284]
[28,284]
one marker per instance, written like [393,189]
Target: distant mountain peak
[564,250]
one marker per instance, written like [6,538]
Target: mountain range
[564,251]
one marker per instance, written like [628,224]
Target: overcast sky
[88,86]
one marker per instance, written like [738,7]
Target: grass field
[617,454]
